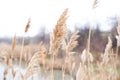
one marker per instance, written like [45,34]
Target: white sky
[15,13]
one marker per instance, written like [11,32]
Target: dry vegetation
[81,67]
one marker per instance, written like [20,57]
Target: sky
[14,14]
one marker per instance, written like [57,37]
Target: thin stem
[63,71]
[52,72]
[21,51]
[88,53]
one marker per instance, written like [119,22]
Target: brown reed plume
[28,25]
[34,64]
[26,29]
[57,37]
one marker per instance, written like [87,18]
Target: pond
[42,75]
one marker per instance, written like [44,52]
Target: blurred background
[44,14]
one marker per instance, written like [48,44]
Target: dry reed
[57,38]
[14,42]
[102,70]
[107,51]
[13,46]
[58,34]
[69,46]
[34,64]
[28,25]
[118,37]
[26,29]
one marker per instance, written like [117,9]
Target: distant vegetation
[98,38]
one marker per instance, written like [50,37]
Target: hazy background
[45,13]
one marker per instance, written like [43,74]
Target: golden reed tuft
[59,33]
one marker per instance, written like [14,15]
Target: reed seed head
[59,33]
[28,25]
[73,43]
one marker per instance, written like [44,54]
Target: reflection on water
[46,76]
[1,71]
[42,75]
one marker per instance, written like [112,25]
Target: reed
[26,29]
[34,64]
[118,37]
[14,42]
[69,46]
[104,69]
[28,25]
[57,37]
[107,51]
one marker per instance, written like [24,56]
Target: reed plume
[57,37]
[107,51]
[69,46]
[28,25]
[72,42]
[59,33]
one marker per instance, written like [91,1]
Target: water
[46,76]
[42,75]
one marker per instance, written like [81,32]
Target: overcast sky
[15,13]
